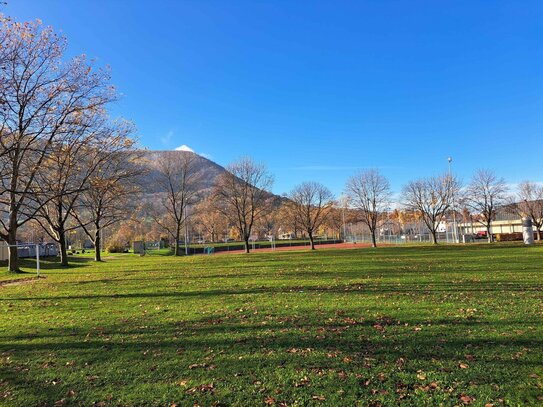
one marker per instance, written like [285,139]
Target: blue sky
[318,90]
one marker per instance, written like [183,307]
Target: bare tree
[111,191]
[311,204]
[484,195]
[370,193]
[242,194]
[73,159]
[530,197]
[40,96]
[178,177]
[431,198]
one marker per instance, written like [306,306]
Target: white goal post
[30,247]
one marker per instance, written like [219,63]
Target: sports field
[450,325]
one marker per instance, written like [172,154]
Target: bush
[116,247]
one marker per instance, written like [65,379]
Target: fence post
[38,259]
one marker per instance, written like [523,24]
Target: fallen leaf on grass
[203,388]
[303,383]
[463,366]
[201,365]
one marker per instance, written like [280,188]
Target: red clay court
[306,247]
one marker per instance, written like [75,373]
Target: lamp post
[455,231]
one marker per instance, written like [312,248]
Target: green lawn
[414,325]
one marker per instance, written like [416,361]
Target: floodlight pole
[455,231]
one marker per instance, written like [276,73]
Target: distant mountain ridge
[208,169]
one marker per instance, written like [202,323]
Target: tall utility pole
[455,231]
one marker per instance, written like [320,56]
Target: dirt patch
[19,281]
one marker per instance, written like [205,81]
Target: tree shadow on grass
[431,287]
[316,345]
[53,263]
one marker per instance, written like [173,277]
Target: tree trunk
[246,243]
[434,237]
[13,254]
[97,246]
[177,234]
[538,234]
[13,223]
[489,233]
[373,239]
[63,251]
[312,241]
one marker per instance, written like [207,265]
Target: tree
[311,204]
[209,220]
[73,159]
[334,221]
[370,193]
[431,198]
[484,195]
[267,224]
[242,195]
[178,177]
[530,197]
[286,221]
[111,191]
[40,97]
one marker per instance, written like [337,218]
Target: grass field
[413,325]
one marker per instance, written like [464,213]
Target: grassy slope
[425,325]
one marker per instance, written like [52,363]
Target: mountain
[208,169]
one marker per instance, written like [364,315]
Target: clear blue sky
[319,89]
